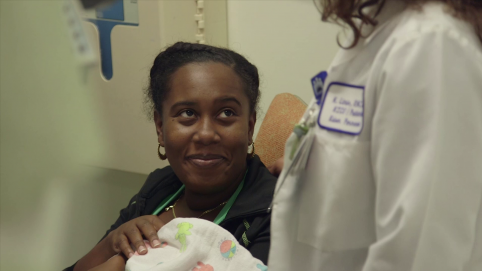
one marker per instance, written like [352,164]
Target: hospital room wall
[53,207]
[74,148]
[52,119]
[286,40]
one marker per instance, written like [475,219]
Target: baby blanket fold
[192,244]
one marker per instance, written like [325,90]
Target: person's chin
[206,175]
[207,183]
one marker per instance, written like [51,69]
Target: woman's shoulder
[257,193]
[430,18]
[425,36]
[259,175]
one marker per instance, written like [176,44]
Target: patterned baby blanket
[191,244]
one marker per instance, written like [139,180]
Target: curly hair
[183,53]
[347,11]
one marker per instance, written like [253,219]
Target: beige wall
[286,40]
[52,209]
[55,119]
[131,143]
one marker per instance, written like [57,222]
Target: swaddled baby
[191,244]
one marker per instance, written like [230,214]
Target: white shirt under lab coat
[403,193]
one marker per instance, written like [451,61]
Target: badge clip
[317,82]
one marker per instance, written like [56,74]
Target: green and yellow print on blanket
[182,234]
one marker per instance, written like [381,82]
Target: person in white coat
[393,146]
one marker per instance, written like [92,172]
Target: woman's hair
[347,11]
[182,53]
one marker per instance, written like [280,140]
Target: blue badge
[317,83]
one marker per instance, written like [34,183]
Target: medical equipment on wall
[120,12]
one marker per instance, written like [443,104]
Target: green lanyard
[221,216]
[167,200]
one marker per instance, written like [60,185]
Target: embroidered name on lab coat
[342,109]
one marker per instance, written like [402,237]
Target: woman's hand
[116,263]
[132,232]
[120,240]
[276,167]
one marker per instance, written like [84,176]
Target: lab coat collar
[390,10]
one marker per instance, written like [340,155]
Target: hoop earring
[161,156]
[251,154]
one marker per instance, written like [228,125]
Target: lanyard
[168,200]
[222,214]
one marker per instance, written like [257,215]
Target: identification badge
[342,109]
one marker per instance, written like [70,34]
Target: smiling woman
[206,127]
[203,100]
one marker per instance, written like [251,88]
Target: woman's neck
[197,202]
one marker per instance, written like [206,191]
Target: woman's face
[206,126]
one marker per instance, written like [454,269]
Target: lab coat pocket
[337,202]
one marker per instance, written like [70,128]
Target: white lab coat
[405,192]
